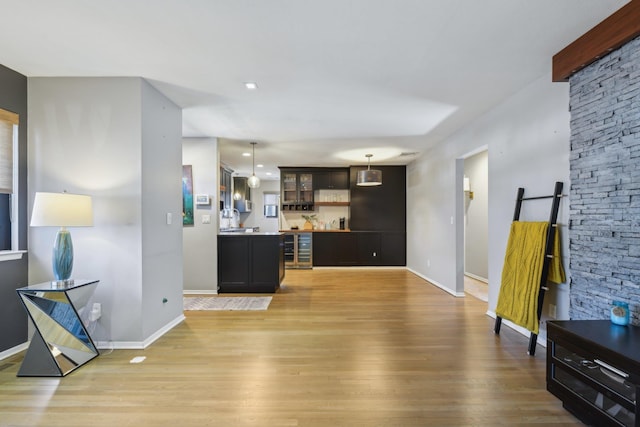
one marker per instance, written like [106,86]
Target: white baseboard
[14,350]
[478,278]
[140,345]
[361,267]
[200,292]
[436,284]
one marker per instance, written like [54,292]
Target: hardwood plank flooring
[337,347]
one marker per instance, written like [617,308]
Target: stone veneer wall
[605,185]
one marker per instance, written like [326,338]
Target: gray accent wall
[605,184]
[118,140]
[13,274]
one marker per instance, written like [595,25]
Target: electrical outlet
[428,263]
[96,312]
[552,310]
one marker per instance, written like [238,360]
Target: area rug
[226,303]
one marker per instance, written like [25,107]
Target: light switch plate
[206,219]
[169,218]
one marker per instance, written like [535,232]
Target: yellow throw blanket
[522,271]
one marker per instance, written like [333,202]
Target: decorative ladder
[555,205]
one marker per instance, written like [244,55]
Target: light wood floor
[476,288]
[335,348]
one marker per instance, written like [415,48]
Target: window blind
[7,122]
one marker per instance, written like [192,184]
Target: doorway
[476,223]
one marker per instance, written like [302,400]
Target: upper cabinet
[331,179]
[297,185]
[383,207]
[296,190]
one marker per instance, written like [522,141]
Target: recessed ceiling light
[251,85]
[259,166]
[269,173]
[246,154]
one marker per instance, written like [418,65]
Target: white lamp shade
[62,210]
[253,181]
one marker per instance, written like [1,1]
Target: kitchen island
[250,262]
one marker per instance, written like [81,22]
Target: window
[8,180]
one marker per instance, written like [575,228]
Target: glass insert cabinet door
[61,342]
[289,188]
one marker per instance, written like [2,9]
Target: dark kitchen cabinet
[296,189]
[331,249]
[379,208]
[377,217]
[250,262]
[393,248]
[381,248]
[362,248]
[368,248]
[331,179]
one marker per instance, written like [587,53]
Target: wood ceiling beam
[608,35]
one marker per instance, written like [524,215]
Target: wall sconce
[467,188]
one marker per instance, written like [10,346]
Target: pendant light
[253,181]
[369,177]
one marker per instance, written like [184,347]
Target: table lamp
[62,210]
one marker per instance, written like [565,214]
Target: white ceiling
[337,78]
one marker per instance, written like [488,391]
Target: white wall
[256,218]
[200,239]
[162,249]
[114,139]
[528,141]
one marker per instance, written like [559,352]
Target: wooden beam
[610,34]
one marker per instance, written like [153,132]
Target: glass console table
[61,342]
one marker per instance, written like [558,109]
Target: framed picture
[187,195]
[202,199]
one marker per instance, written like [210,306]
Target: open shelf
[332,203]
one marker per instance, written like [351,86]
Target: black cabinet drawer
[581,398]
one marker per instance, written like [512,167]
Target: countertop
[251,233]
[332,230]
[239,229]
